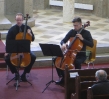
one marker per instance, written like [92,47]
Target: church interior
[50,21]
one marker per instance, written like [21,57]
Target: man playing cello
[13,31]
[85,37]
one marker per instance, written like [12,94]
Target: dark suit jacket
[101,87]
[88,41]
[14,30]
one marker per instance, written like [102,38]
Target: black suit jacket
[101,87]
[88,41]
[14,30]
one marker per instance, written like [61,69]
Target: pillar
[19,6]
[68,10]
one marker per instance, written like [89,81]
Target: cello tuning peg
[27,17]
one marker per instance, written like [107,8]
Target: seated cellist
[86,39]
[13,31]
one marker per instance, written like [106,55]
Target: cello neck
[83,26]
[80,30]
[75,37]
[25,28]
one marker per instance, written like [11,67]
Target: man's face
[19,20]
[77,25]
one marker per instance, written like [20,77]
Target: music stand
[17,46]
[51,50]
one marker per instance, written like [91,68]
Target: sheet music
[74,74]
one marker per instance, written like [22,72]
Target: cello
[26,58]
[70,54]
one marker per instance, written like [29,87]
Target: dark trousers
[26,69]
[78,61]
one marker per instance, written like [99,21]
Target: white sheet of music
[73,75]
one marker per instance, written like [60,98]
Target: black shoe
[23,78]
[60,82]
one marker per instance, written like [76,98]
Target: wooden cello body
[26,58]
[70,54]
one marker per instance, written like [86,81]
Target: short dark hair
[20,14]
[77,19]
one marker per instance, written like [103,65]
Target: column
[40,4]
[28,7]
[19,6]
[68,10]
[1,7]
[101,8]
[108,9]
[4,22]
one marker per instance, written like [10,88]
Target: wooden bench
[81,88]
[85,75]
[91,96]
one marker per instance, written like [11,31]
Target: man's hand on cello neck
[29,32]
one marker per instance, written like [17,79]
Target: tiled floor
[49,27]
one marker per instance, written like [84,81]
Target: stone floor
[50,28]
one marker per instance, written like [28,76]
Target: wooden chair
[91,96]
[91,54]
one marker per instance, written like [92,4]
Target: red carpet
[38,77]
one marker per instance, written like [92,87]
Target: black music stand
[51,50]
[18,46]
